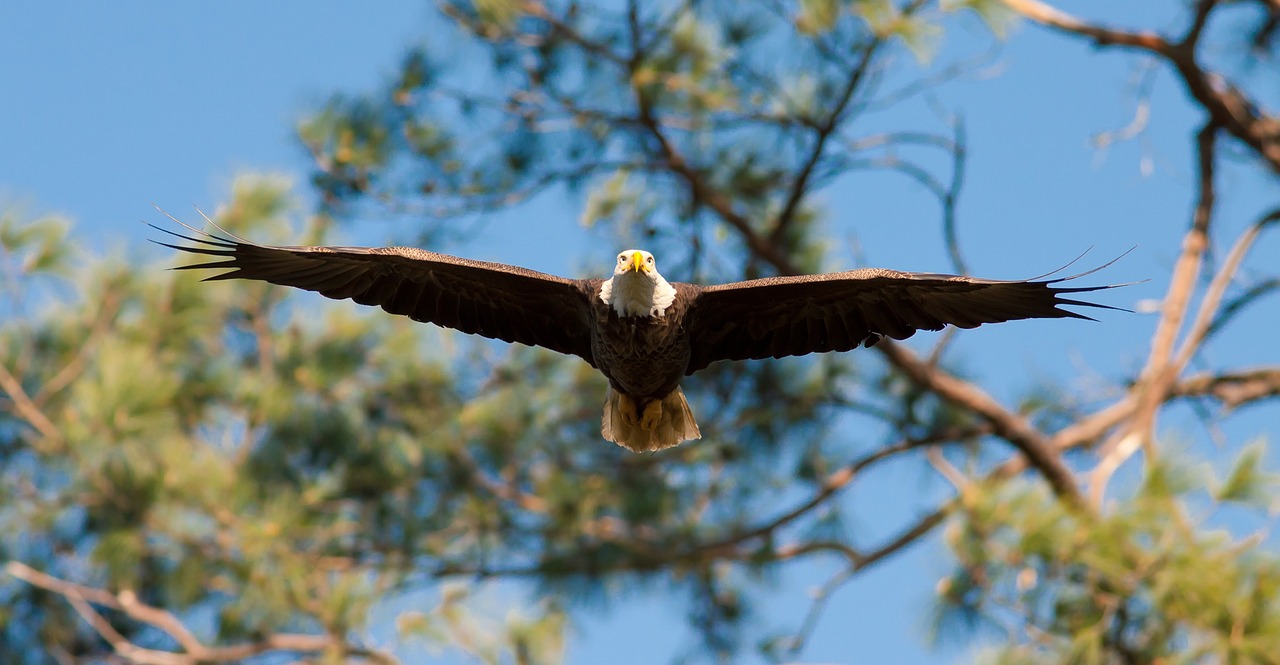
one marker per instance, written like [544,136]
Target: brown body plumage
[644,358]
[641,332]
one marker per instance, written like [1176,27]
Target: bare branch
[949,387]
[1006,424]
[1161,371]
[735,546]
[1267,29]
[1238,304]
[836,481]
[1156,375]
[796,550]
[822,133]
[559,26]
[948,470]
[1048,15]
[1213,297]
[25,408]
[1232,389]
[1093,427]
[699,190]
[118,642]
[923,525]
[810,622]
[949,230]
[1102,141]
[1228,107]
[1199,20]
[193,651]
[706,195]
[857,563]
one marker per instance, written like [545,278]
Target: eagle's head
[636,288]
[636,261]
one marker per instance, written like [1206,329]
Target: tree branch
[822,133]
[1233,389]
[1161,371]
[1213,296]
[1014,428]
[835,482]
[733,547]
[538,9]
[1228,107]
[193,651]
[25,408]
[699,191]
[1198,21]
[1008,424]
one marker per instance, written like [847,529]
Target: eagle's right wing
[794,316]
[489,299]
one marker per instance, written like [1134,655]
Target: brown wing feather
[489,299]
[794,316]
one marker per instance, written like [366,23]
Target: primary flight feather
[641,331]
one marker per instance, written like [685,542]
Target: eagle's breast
[643,356]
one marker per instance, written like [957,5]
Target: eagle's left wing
[794,316]
[490,299]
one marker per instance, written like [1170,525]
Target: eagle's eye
[649,260]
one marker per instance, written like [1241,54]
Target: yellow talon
[627,407]
[652,415]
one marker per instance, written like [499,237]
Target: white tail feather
[676,424]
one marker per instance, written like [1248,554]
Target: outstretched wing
[489,299]
[794,316]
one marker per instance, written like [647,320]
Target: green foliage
[35,246]
[1247,483]
[883,18]
[736,95]
[994,13]
[817,15]
[1158,578]
[278,465]
[255,462]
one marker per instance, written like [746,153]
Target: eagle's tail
[674,422]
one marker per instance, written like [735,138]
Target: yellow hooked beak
[637,261]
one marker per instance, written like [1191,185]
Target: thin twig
[947,470]
[820,597]
[835,482]
[822,133]
[949,231]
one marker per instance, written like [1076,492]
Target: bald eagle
[642,332]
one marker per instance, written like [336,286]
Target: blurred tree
[196,474]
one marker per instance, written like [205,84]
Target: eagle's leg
[664,423]
[652,415]
[627,407]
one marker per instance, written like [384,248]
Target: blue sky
[109,107]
